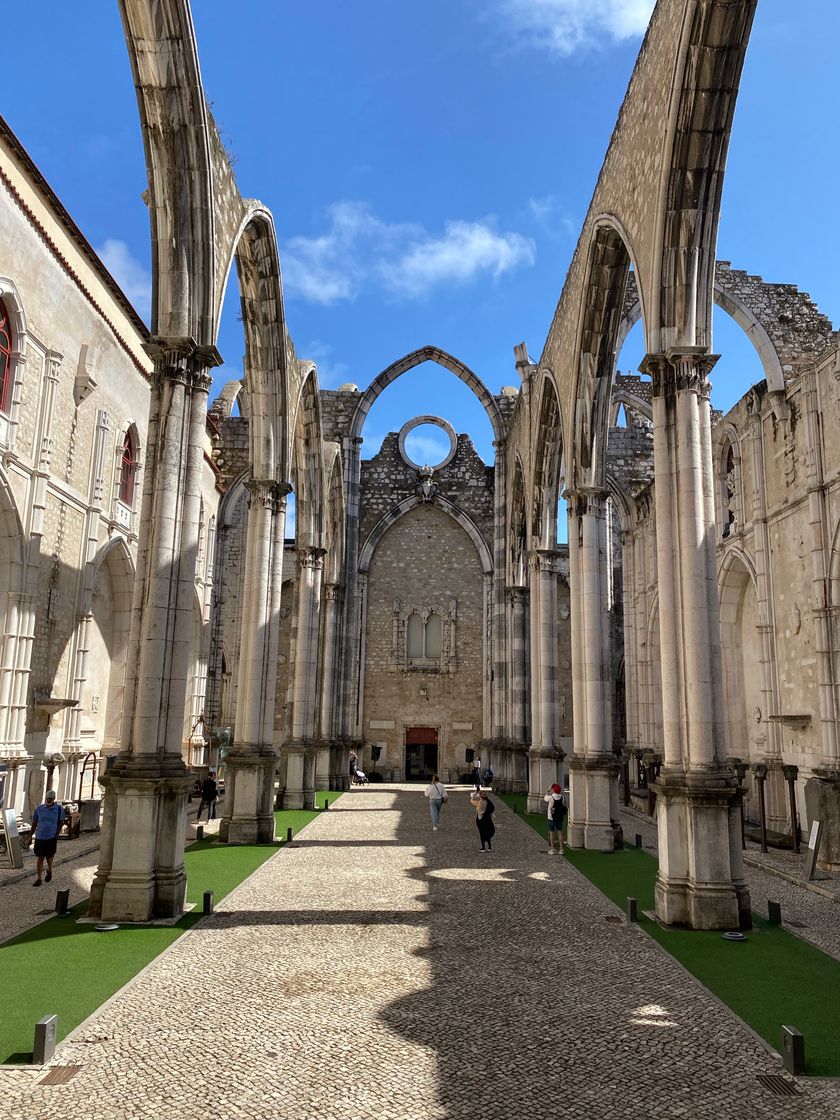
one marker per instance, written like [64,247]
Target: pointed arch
[517,521]
[408,504]
[265,386]
[308,463]
[416,358]
[549,466]
[336,526]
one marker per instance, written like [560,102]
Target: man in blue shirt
[46,822]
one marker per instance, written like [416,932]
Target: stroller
[359,778]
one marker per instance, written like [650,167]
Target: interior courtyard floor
[375,968]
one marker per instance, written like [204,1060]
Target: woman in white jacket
[436,793]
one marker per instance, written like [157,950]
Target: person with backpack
[484,809]
[556,808]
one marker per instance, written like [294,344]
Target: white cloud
[465,250]
[132,276]
[426,449]
[566,26]
[402,257]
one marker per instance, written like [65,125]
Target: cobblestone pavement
[809,915]
[378,969]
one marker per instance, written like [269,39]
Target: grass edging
[770,980]
[48,969]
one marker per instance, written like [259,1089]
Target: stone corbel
[85,381]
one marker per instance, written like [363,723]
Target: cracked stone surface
[379,969]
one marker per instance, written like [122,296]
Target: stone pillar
[593,768]
[701,878]
[327,772]
[350,668]
[517,598]
[141,864]
[822,791]
[251,762]
[498,628]
[304,685]
[544,756]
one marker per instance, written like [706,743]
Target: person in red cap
[556,807]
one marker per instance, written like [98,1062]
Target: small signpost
[813,849]
[9,834]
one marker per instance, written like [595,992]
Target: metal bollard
[62,903]
[638,839]
[326,804]
[632,915]
[199,832]
[289,835]
[774,912]
[46,1030]
[208,902]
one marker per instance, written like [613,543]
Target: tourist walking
[46,823]
[484,809]
[556,811]
[477,774]
[209,796]
[436,793]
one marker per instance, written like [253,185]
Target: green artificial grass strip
[770,980]
[62,968]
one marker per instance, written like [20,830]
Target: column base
[141,870]
[822,803]
[700,884]
[543,772]
[249,796]
[593,809]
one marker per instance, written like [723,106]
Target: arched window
[5,359]
[128,467]
[423,637]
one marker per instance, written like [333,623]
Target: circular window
[428,441]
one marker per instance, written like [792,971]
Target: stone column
[593,768]
[252,760]
[352,630]
[304,688]
[822,790]
[701,879]
[517,598]
[141,865]
[544,756]
[498,636]
[328,775]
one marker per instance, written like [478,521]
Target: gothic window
[6,378]
[729,490]
[425,639]
[128,468]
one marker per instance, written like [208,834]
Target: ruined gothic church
[637,596]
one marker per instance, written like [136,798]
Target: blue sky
[429,164]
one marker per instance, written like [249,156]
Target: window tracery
[424,638]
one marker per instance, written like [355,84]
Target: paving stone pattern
[378,969]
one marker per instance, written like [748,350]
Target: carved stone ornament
[757,714]
[427,487]
[795,618]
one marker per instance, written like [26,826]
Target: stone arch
[231,395]
[265,386]
[710,54]
[308,464]
[609,258]
[404,507]
[549,466]
[653,680]
[177,135]
[517,521]
[416,358]
[13,303]
[335,522]
[740,653]
[111,591]
[195,730]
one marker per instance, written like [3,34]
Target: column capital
[334,591]
[267,493]
[680,368]
[516,594]
[311,556]
[546,560]
[584,500]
